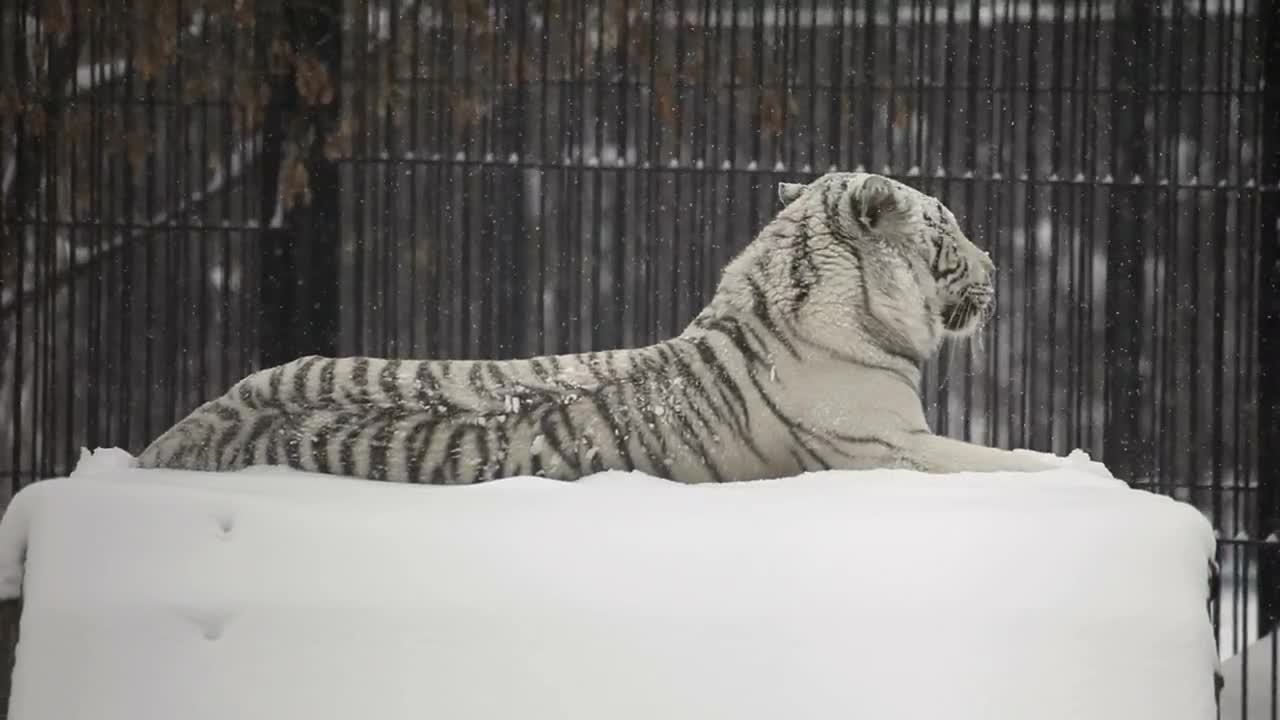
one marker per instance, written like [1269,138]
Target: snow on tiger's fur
[808,357]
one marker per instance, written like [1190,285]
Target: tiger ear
[877,202]
[788,192]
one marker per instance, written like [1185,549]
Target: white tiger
[808,357]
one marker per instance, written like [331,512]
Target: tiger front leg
[937,454]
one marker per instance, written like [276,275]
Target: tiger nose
[988,265]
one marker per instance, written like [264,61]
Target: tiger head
[912,229]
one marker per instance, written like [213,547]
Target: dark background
[193,190]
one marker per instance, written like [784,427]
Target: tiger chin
[808,357]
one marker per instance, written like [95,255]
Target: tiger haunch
[808,357]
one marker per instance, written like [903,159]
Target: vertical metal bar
[679,269]
[866,133]
[1221,209]
[920,54]
[443,280]
[203,342]
[974,117]
[570,278]
[1002,251]
[652,163]
[1158,314]
[21,378]
[389,246]
[321,26]
[563,269]
[467,248]
[248,239]
[601,333]
[1247,216]
[756,131]
[107,192]
[43,212]
[996,146]
[1030,248]
[775,68]
[95,296]
[575,149]
[277,259]
[701,156]
[496,340]
[1080,103]
[1156,265]
[228,215]
[965,172]
[55,111]
[835,115]
[298,290]
[519,288]
[359,175]
[784,45]
[891,108]
[1089,315]
[623,307]
[540,240]
[1057,213]
[1173,176]
[30,168]
[466,322]
[414,162]
[731,137]
[73,330]
[1268,319]
[1198,134]
[812,41]
[1125,389]
[937,100]
[150,309]
[1068,215]
[178,287]
[712,148]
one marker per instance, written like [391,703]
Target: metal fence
[194,189]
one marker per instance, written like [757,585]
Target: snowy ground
[276,594]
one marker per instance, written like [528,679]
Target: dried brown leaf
[280,57]
[314,84]
[243,13]
[771,111]
[76,123]
[194,87]
[338,143]
[37,119]
[135,143]
[295,183]
[902,113]
[668,103]
[56,17]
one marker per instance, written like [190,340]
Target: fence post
[299,245]
[1268,445]
[1125,450]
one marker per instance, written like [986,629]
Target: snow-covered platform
[279,595]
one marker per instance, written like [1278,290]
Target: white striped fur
[808,357]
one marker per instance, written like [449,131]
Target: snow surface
[1250,687]
[270,593]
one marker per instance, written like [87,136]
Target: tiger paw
[1079,460]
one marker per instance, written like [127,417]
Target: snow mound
[270,593]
